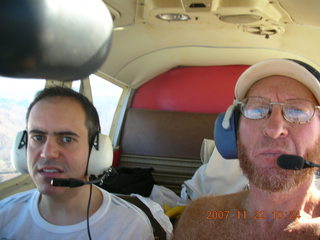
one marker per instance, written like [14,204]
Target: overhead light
[173,17]
[240,18]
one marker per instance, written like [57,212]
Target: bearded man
[277,101]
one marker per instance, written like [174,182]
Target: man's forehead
[286,67]
[59,112]
[58,102]
[59,99]
[283,85]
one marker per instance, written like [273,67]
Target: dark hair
[92,117]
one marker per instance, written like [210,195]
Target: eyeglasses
[293,110]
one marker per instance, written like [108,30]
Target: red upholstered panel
[190,89]
[116,157]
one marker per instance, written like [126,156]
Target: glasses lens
[255,107]
[298,110]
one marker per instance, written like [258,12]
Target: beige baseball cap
[300,71]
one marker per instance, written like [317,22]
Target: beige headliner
[144,46]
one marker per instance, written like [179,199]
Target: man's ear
[18,154]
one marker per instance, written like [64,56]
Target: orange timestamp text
[257,215]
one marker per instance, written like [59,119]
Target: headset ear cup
[101,155]
[226,139]
[18,154]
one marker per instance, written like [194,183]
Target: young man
[61,127]
[278,101]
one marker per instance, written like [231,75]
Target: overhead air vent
[249,11]
[265,31]
[240,18]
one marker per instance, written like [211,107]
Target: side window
[106,96]
[15,97]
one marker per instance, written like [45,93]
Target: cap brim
[271,67]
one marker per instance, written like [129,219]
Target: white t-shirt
[115,219]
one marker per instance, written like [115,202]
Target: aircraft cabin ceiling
[153,36]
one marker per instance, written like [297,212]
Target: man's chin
[277,180]
[272,179]
[45,188]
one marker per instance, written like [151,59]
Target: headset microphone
[294,162]
[72,182]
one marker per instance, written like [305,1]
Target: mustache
[47,162]
[267,142]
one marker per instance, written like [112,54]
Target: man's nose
[276,125]
[50,148]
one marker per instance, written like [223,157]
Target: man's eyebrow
[69,133]
[33,131]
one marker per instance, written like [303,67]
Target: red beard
[275,179]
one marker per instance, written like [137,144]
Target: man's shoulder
[199,208]
[116,201]
[15,206]
[18,198]
[126,216]
[121,206]
[209,215]
[221,202]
